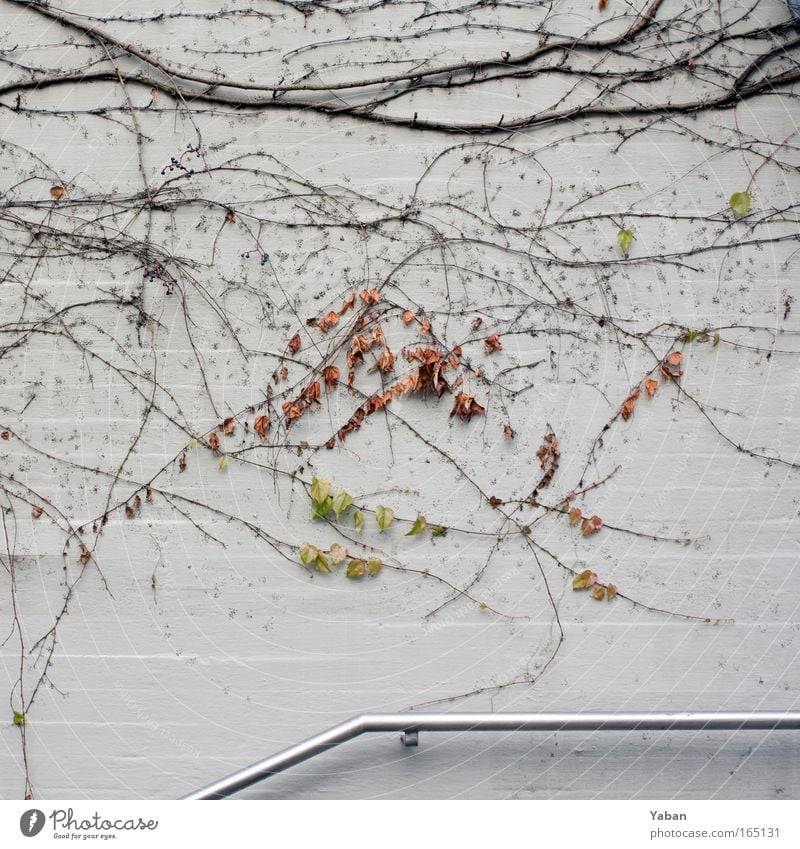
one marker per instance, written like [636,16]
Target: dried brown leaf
[627,405]
[260,425]
[492,343]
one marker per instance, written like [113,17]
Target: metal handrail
[410,724]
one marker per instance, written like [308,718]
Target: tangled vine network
[224,320]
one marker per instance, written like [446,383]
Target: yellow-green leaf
[599,592]
[625,240]
[337,553]
[308,553]
[320,488]
[385,516]
[19,718]
[584,580]
[192,443]
[374,566]
[341,501]
[740,203]
[223,462]
[418,527]
[321,563]
[438,530]
[358,520]
[356,569]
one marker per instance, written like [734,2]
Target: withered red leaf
[384,362]
[628,404]
[651,386]
[260,425]
[369,296]
[227,426]
[548,455]
[213,441]
[465,406]
[311,393]
[294,343]
[292,410]
[674,359]
[330,375]
[492,343]
[591,525]
[36,511]
[670,373]
[374,403]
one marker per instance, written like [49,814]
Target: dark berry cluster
[176,164]
[158,272]
[263,256]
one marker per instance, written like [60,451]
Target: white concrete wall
[238,651]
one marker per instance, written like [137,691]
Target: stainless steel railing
[411,724]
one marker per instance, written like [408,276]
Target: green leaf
[320,509]
[418,527]
[308,553]
[625,240]
[438,530]
[321,563]
[385,516]
[223,462]
[689,335]
[740,203]
[341,501]
[358,520]
[356,569]
[337,553]
[19,718]
[192,443]
[374,566]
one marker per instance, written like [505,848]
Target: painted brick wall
[192,647]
